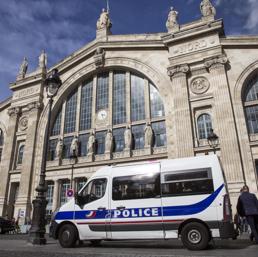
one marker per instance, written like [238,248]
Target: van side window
[136,187]
[191,182]
[94,190]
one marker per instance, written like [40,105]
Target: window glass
[252,92]
[49,197]
[80,182]
[100,142]
[57,124]
[70,113]
[65,186]
[204,126]
[192,182]
[1,138]
[20,154]
[138,136]
[52,149]
[157,107]
[102,92]
[252,119]
[66,147]
[119,141]
[160,137]
[136,187]
[94,190]
[83,141]
[86,106]
[137,98]
[119,100]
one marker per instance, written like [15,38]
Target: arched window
[251,105]
[20,154]
[1,143]
[113,99]
[204,125]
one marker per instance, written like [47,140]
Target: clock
[102,115]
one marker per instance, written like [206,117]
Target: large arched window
[114,100]
[1,143]
[251,105]
[204,125]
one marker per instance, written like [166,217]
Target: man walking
[247,206]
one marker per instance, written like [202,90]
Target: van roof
[197,161]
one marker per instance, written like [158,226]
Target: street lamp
[37,230]
[73,156]
[213,140]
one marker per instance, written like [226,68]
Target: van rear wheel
[67,236]
[195,236]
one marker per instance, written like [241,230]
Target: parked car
[6,225]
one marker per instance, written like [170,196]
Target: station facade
[132,98]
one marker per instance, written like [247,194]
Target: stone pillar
[7,158]
[225,125]
[23,202]
[183,136]
[56,195]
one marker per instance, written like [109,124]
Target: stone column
[56,195]
[183,137]
[7,157]
[32,112]
[226,127]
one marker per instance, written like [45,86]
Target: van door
[136,211]
[93,217]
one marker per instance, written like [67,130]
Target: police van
[181,198]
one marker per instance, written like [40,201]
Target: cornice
[194,29]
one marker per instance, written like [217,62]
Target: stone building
[133,98]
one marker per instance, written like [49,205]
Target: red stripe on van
[130,222]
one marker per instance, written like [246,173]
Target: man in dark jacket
[247,206]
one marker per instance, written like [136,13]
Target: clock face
[102,115]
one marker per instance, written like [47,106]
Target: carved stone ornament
[179,69]
[216,61]
[207,9]
[104,20]
[33,106]
[99,58]
[23,123]
[172,23]
[14,111]
[200,85]
[23,69]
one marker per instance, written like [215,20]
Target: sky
[61,27]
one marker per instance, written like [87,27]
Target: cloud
[252,21]
[28,26]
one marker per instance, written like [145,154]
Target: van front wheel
[195,236]
[67,236]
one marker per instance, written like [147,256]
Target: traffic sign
[69,193]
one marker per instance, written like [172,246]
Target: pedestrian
[247,206]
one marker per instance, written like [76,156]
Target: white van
[181,198]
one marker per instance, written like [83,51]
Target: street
[17,245]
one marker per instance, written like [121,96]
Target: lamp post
[213,140]
[37,230]
[73,157]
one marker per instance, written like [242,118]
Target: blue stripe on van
[180,210]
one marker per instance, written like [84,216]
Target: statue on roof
[43,60]
[104,20]
[23,68]
[207,9]
[172,23]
